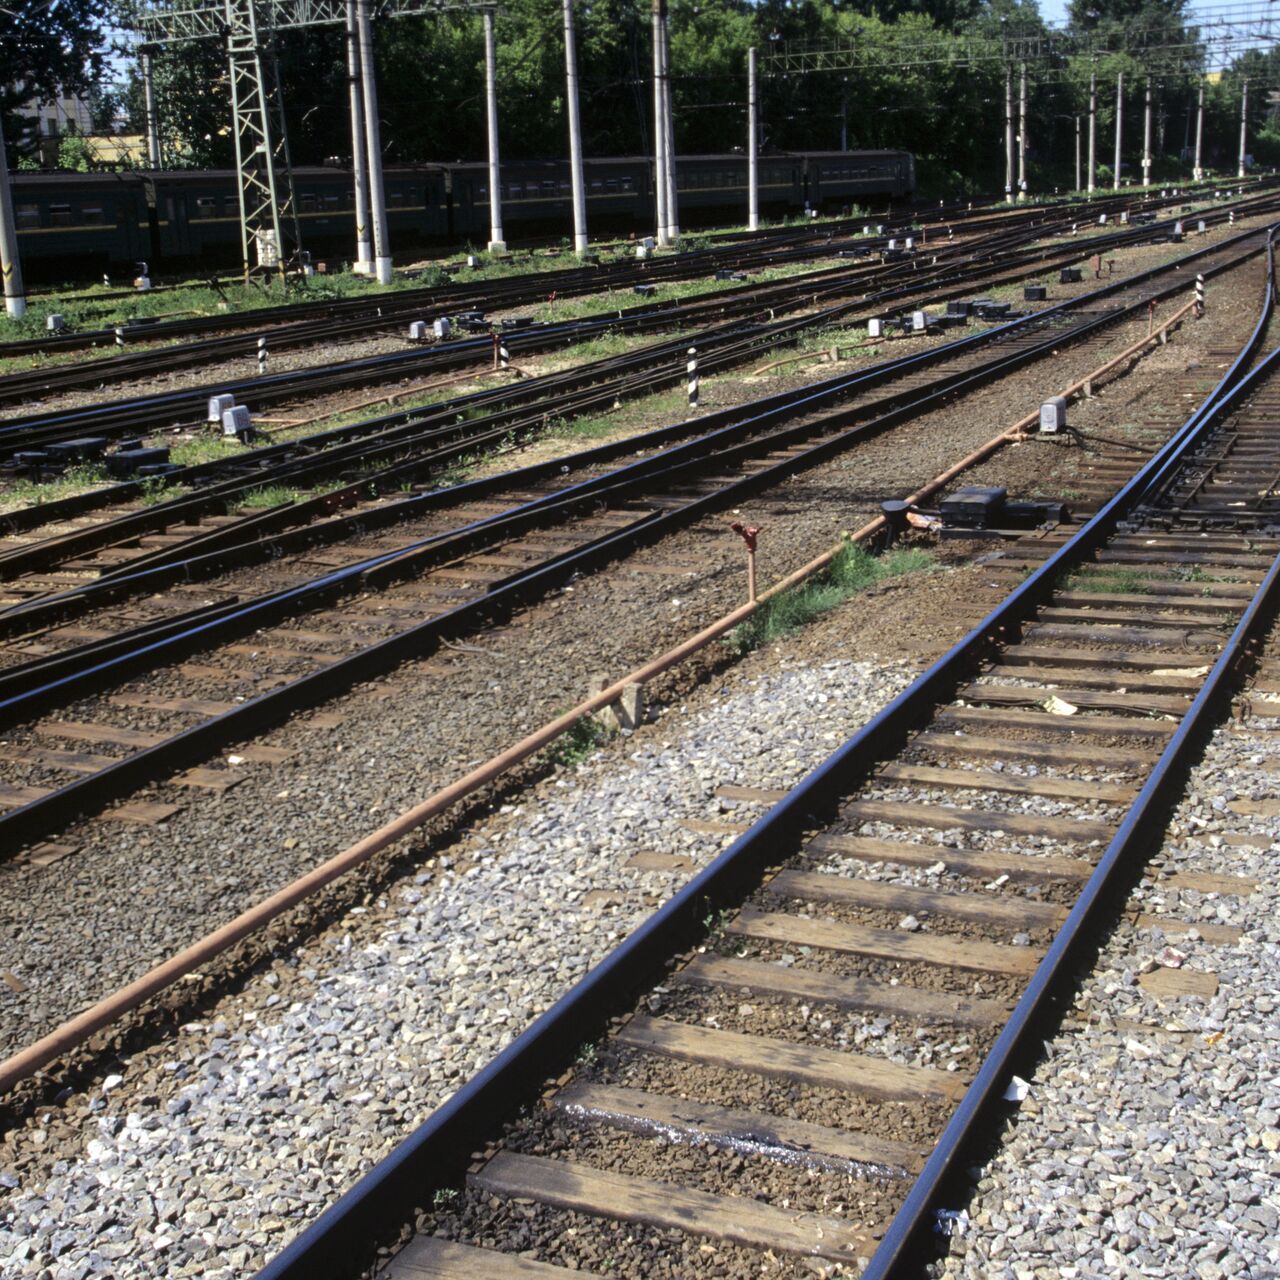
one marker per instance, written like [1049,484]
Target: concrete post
[1078,180]
[753,144]
[1008,133]
[668,118]
[1198,171]
[497,243]
[373,139]
[15,298]
[575,132]
[1115,182]
[150,121]
[1022,133]
[359,151]
[659,131]
[1244,126]
[1093,132]
[1146,136]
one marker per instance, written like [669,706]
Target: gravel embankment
[201,1157]
[1147,1145]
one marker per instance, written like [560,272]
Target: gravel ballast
[1147,1143]
[204,1156]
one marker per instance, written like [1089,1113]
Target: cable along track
[257,660]
[886,938]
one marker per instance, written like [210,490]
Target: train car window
[628,184]
[611,185]
[206,206]
[596,186]
[60,215]
[515,190]
[26,216]
[566,187]
[482,191]
[334,201]
[308,202]
[548,186]
[92,215]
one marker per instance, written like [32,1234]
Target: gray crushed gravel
[202,1157]
[1147,1145]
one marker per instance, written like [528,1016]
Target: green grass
[1109,581]
[206,448]
[580,741]
[32,493]
[853,570]
[271,495]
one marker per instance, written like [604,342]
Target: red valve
[748,533]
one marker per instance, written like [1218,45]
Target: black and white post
[1022,133]
[692,369]
[1199,295]
[262,356]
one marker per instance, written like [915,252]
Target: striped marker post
[262,355]
[692,368]
[119,335]
[1199,295]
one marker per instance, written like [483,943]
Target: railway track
[365,467]
[261,646]
[789,1058]
[738,250]
[150,413]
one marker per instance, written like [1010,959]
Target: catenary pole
[497,242]
[1093,132]
[1008,133]
[373,140]
[150,121]
[1115,181]
[1146,135]
[1077,187]
[753,144]
[1244,126]
[1022,133]
[1197,171]
[659,131]
[668,119]
[15,299]
[575,132]
[359,147]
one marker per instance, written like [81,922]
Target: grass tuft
[1112,582]
[853,570]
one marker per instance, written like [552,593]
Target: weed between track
[31,493]
[853,570]
[1112,581]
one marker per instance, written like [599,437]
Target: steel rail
[133,415]
[270,523]
[94,790]
[340,1243]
